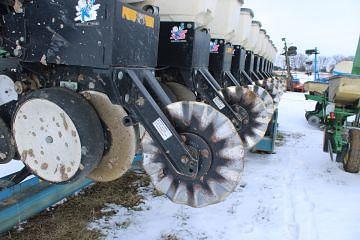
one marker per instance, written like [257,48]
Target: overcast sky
[332,26]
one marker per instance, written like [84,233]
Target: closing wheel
[265,97]
[7,147]
[121,150]
[252,110]
[58,135]
[212,139]
[181,92]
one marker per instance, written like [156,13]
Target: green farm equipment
[334,107]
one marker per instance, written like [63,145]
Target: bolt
[127,98]
[205,153]
[18,52]
[49,139]
[120,75]
[184,159]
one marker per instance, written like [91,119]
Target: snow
[11,167]
[297,193]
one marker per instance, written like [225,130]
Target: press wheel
[181,92]
[58,135]
[121,149]
[212,139]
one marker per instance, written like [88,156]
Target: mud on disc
[252,109]
[212,139]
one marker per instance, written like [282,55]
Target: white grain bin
[266,53]
[227,15]
[274,52]
[264,46]
[269,50]
[254,36]
[243,30]
[260,42]
[200,11]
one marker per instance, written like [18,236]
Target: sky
[332,26]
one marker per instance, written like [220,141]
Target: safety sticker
[162,129]
[86,11]
[214,47]
[137,17]
[219,103]
[178,33]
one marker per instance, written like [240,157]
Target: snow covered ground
[297,193]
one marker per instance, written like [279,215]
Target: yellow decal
[136,17]
[150,21]
[230,50]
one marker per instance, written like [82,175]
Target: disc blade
[265,97]
[252,109]
[220,144]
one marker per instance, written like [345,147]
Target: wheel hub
[242,114]
[200,151]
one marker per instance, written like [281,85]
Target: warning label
[162,129]
[219,103]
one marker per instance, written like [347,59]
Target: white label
[162,129]
[219,103]
[251,87]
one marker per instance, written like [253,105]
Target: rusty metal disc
[274,91]
[212,139]
[252,110]
[265,97]
[58,135]
[121,151]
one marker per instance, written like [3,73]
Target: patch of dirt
[280,139]
[169,237]
[70,220]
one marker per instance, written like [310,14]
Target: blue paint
[267,144]
[31,197]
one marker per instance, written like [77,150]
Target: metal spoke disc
[122,148]
[255,117]
[58,135]
[213,140]
[265,97]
